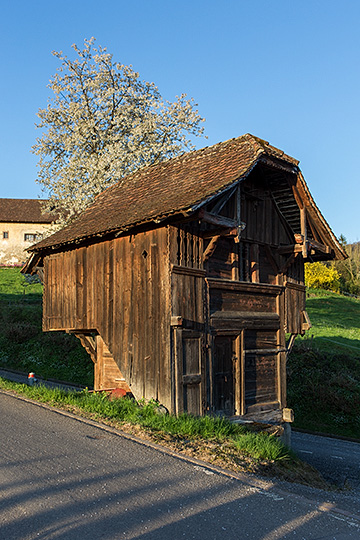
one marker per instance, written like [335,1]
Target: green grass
[237,438]
[336,322]
[23,345]
[324,367]
[13,283]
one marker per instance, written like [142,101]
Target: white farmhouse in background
[22,223]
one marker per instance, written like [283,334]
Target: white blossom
[103,123]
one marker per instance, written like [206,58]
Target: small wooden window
[5,235]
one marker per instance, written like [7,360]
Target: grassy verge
[23,345]
[324,367]
[215,440]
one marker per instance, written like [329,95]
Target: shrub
[20,332]
[319,276]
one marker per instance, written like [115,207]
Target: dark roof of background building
[170,187]
[24,211]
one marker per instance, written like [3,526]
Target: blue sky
[284,70]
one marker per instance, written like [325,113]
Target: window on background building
[32,237]
[29,237]
[5,235]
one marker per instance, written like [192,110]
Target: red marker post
[31,379]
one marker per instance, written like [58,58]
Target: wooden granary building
[183,280]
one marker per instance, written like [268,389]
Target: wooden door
[245,372]
[224,375]
[192,372]
[189,371]
[261,368]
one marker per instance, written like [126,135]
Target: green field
[23,345]
[324,367]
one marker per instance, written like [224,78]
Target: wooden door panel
[223,375]
[192,373]
[260,367]
[188,350]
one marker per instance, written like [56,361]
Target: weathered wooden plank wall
[187,310]
[263,222]
[120,289]
[237,296]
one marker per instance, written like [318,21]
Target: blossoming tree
[102,123]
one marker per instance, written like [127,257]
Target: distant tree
[103,123]
[349,269]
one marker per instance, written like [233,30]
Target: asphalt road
[337,460]
[62,478]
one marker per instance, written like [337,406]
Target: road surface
[336,459]
[63,478]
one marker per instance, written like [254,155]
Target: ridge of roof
[162,189]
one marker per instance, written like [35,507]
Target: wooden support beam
[297,197]
[238,374]
[311,247]
[271,259]
[290,248]
[235,262]
[313,228]
[306,323]
[265,351]
[254,264]
[220,232]
[178,370]
[89,344]
[288,263]
[303,231]
[222,201]
[290,344]
[281,357]
[215,219]
[319,247]
[210,248]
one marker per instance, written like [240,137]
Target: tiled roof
[23,211]
[173,186]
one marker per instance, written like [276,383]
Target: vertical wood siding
[119,289]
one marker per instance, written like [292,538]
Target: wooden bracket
[210,248]
[289,262]
[89,345]
[290,344]
[271,259]
[306,323]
